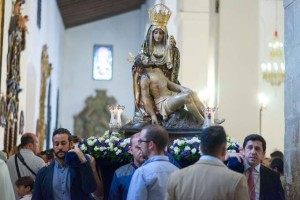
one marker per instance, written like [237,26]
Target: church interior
[222,46]
[71,63]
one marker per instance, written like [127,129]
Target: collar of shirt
[256,168]
[26,151]
[213,159]
[58,165]
[156,158]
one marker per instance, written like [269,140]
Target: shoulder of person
[268,171]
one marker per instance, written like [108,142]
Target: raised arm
[147,99]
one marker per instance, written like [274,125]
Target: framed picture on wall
[102,62]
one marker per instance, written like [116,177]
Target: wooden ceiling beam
[78,12]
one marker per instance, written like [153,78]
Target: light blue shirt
[213,159]
[61,182]
[149,182]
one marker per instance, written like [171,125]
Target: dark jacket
[270,184]
[81,178]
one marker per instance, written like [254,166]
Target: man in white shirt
[28,149]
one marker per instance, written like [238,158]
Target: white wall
[52,34]
[193,43]
[273,115]
[123,32]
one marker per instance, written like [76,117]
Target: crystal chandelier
[273,71]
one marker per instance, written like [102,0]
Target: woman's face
[158,35]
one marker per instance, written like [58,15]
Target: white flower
[193,151]
[176,150]
[118,152]
[231,151]
[181,142]
[176,141]
[116,149]
[83,147]
[171,147]
[187,148]
[90,142]
[101,139]
[102,148]
[96,148]
[113,138]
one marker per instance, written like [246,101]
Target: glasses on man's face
[140,141]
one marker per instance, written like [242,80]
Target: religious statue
[161,95]
[160,49]
[16,44]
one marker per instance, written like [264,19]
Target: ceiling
[78,12]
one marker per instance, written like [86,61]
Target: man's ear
[223,151]
[27,188]
[130,150]
[151,145]
[71,144]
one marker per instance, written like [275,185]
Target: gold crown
[159,14]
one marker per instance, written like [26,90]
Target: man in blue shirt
[122,176]
[150,180]
[60,181]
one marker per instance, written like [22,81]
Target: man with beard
[25,162]
[150,180]
[60,181]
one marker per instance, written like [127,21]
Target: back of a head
[255,137]
[25,181]
[278,164]
[213,139]
[158,135]
[277,154]
[76,139]
[62,131]
[27,138]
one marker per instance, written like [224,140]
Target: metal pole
[260,119]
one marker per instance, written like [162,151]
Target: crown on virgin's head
[159,14]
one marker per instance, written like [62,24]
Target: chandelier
[273,71]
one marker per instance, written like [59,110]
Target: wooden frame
[102,62]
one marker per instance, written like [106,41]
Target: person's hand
[154,119]
[79,153]
[239,156]
[92,162]
[138,69]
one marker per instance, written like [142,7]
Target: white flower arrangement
[232,145]
[113,147]
[189,149]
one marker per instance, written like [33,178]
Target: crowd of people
[64,172]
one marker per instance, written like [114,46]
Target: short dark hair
[277,154]
[133,136]
[278,164]
[25,181]
[76,138]
[212,140]
[255,137]
[62,131]
[27,138]
[158,135]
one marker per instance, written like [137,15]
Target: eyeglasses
[140,141]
